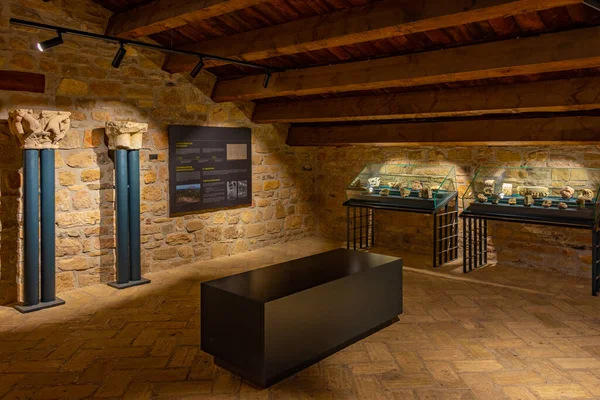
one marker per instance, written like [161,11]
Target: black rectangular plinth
[267,324]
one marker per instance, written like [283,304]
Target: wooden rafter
[501,132]
[22,81]
[546,96]
[381,20]
[546,53]
[161,15]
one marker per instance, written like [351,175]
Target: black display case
[416,188]
[551,196]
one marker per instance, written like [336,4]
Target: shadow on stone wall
[11,161]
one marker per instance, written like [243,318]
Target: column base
[116,285]
[40,306]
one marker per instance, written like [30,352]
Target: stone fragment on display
[567,192]
[375,181]
[547,203]
[587,194]
[43,130]
[563,206]
[125,134]
[384,192]
[512,201]
[580,201]
[488,187]
[481,198]
[529,200]
[507,189]
[417,185]
[426,193]
[538,192]
[495,198]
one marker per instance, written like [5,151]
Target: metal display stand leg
[595,261]
[360,228]
[445,235]
[474,243]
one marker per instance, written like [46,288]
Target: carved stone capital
[125,134]
[43,130]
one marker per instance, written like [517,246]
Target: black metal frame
[360,227]
[475,234]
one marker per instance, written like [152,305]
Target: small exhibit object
[426,193]
[481,198]
[495,198]
[375,181]
[567,192]
[507,189]
[395,185]
[547,203]
[512,201]
[538,192]
[356,183]
[488,187]
[529,200]
[270,323]
[384,192]
[580,201]
[587,194]
[417,185]
[563,206]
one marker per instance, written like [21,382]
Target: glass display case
[408,186]
[554,195]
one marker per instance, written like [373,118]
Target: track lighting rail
[62,31]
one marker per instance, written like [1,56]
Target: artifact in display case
[418,186]
[545,193]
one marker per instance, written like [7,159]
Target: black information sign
[209,168]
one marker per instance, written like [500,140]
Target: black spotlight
[592,3]
[116,62]
[267,79]
[50,43]
[197,68]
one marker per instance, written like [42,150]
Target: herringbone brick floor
[458,339]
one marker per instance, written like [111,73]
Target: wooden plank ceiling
[386,60]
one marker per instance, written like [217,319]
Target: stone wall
[565,250]
[80,79]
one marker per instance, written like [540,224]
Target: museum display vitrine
[554,196]
[563,195]
[419,186]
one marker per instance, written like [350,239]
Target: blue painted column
[31,228]
[134,215]
[122,222]
[48,222]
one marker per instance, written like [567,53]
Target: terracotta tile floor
[458,339]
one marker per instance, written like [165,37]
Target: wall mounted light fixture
[50,43]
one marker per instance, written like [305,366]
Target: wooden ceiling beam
[22,81]
[578,94]
[381,20]
[552,52]
[162,15]
[496,132]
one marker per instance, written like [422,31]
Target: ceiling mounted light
[116,62]
[48,44]
[197,68]
[595,4]
[267,79]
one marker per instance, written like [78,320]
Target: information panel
[209,168]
